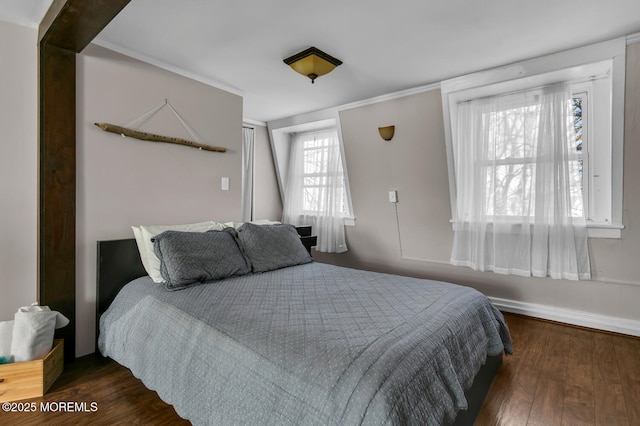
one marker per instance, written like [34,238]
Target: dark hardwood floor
[558,375]
[563,375]
[119,398]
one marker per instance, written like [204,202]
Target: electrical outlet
[224,183]
[393,196]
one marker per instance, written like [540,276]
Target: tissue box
[22,380]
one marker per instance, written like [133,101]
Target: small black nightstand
[307,239]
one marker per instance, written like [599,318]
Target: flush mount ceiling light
[312,63]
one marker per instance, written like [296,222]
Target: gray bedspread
[311,344]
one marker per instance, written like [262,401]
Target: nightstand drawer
[309,242]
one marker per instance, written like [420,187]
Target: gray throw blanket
[312,344]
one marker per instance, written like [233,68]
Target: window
[519,208]
[313,177]
[596,75]
[318,148]
[510,130]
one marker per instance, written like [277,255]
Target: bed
[307,344]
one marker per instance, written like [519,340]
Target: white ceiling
[23,12]
[386,46]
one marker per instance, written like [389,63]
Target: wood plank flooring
[558,375]
[563,375]
[120,399]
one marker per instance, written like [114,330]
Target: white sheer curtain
[518,181]
[248,138]
[315,193]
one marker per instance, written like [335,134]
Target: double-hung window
[535,149]
[322,172]
[509,130]
[314,181]
[596,76]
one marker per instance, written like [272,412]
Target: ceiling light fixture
[312,63]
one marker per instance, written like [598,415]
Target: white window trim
[546,70]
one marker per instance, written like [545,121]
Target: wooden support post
[66,29]
[57,180]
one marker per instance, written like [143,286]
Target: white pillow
[237,225]
[150,261]
[142,247]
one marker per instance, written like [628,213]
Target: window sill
[348,220]
[594,229]
[604,230]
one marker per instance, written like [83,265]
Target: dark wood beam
[67,28]
[57,187]
[72,24]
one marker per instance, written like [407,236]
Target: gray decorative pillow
[192,257]
[270,247]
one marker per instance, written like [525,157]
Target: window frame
[578,66]
[282,133]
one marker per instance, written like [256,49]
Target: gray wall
[18,167]
[266,195]
[121,182]
[125,181]
[416,239]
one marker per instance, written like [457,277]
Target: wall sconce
[386,133]
[312,63]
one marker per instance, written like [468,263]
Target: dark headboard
[118,263]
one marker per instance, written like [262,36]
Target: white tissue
[33,332]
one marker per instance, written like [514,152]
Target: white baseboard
[568,316]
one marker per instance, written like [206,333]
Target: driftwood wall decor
[123,131]
[126,130]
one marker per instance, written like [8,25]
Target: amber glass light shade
[312,63]
[386,133]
